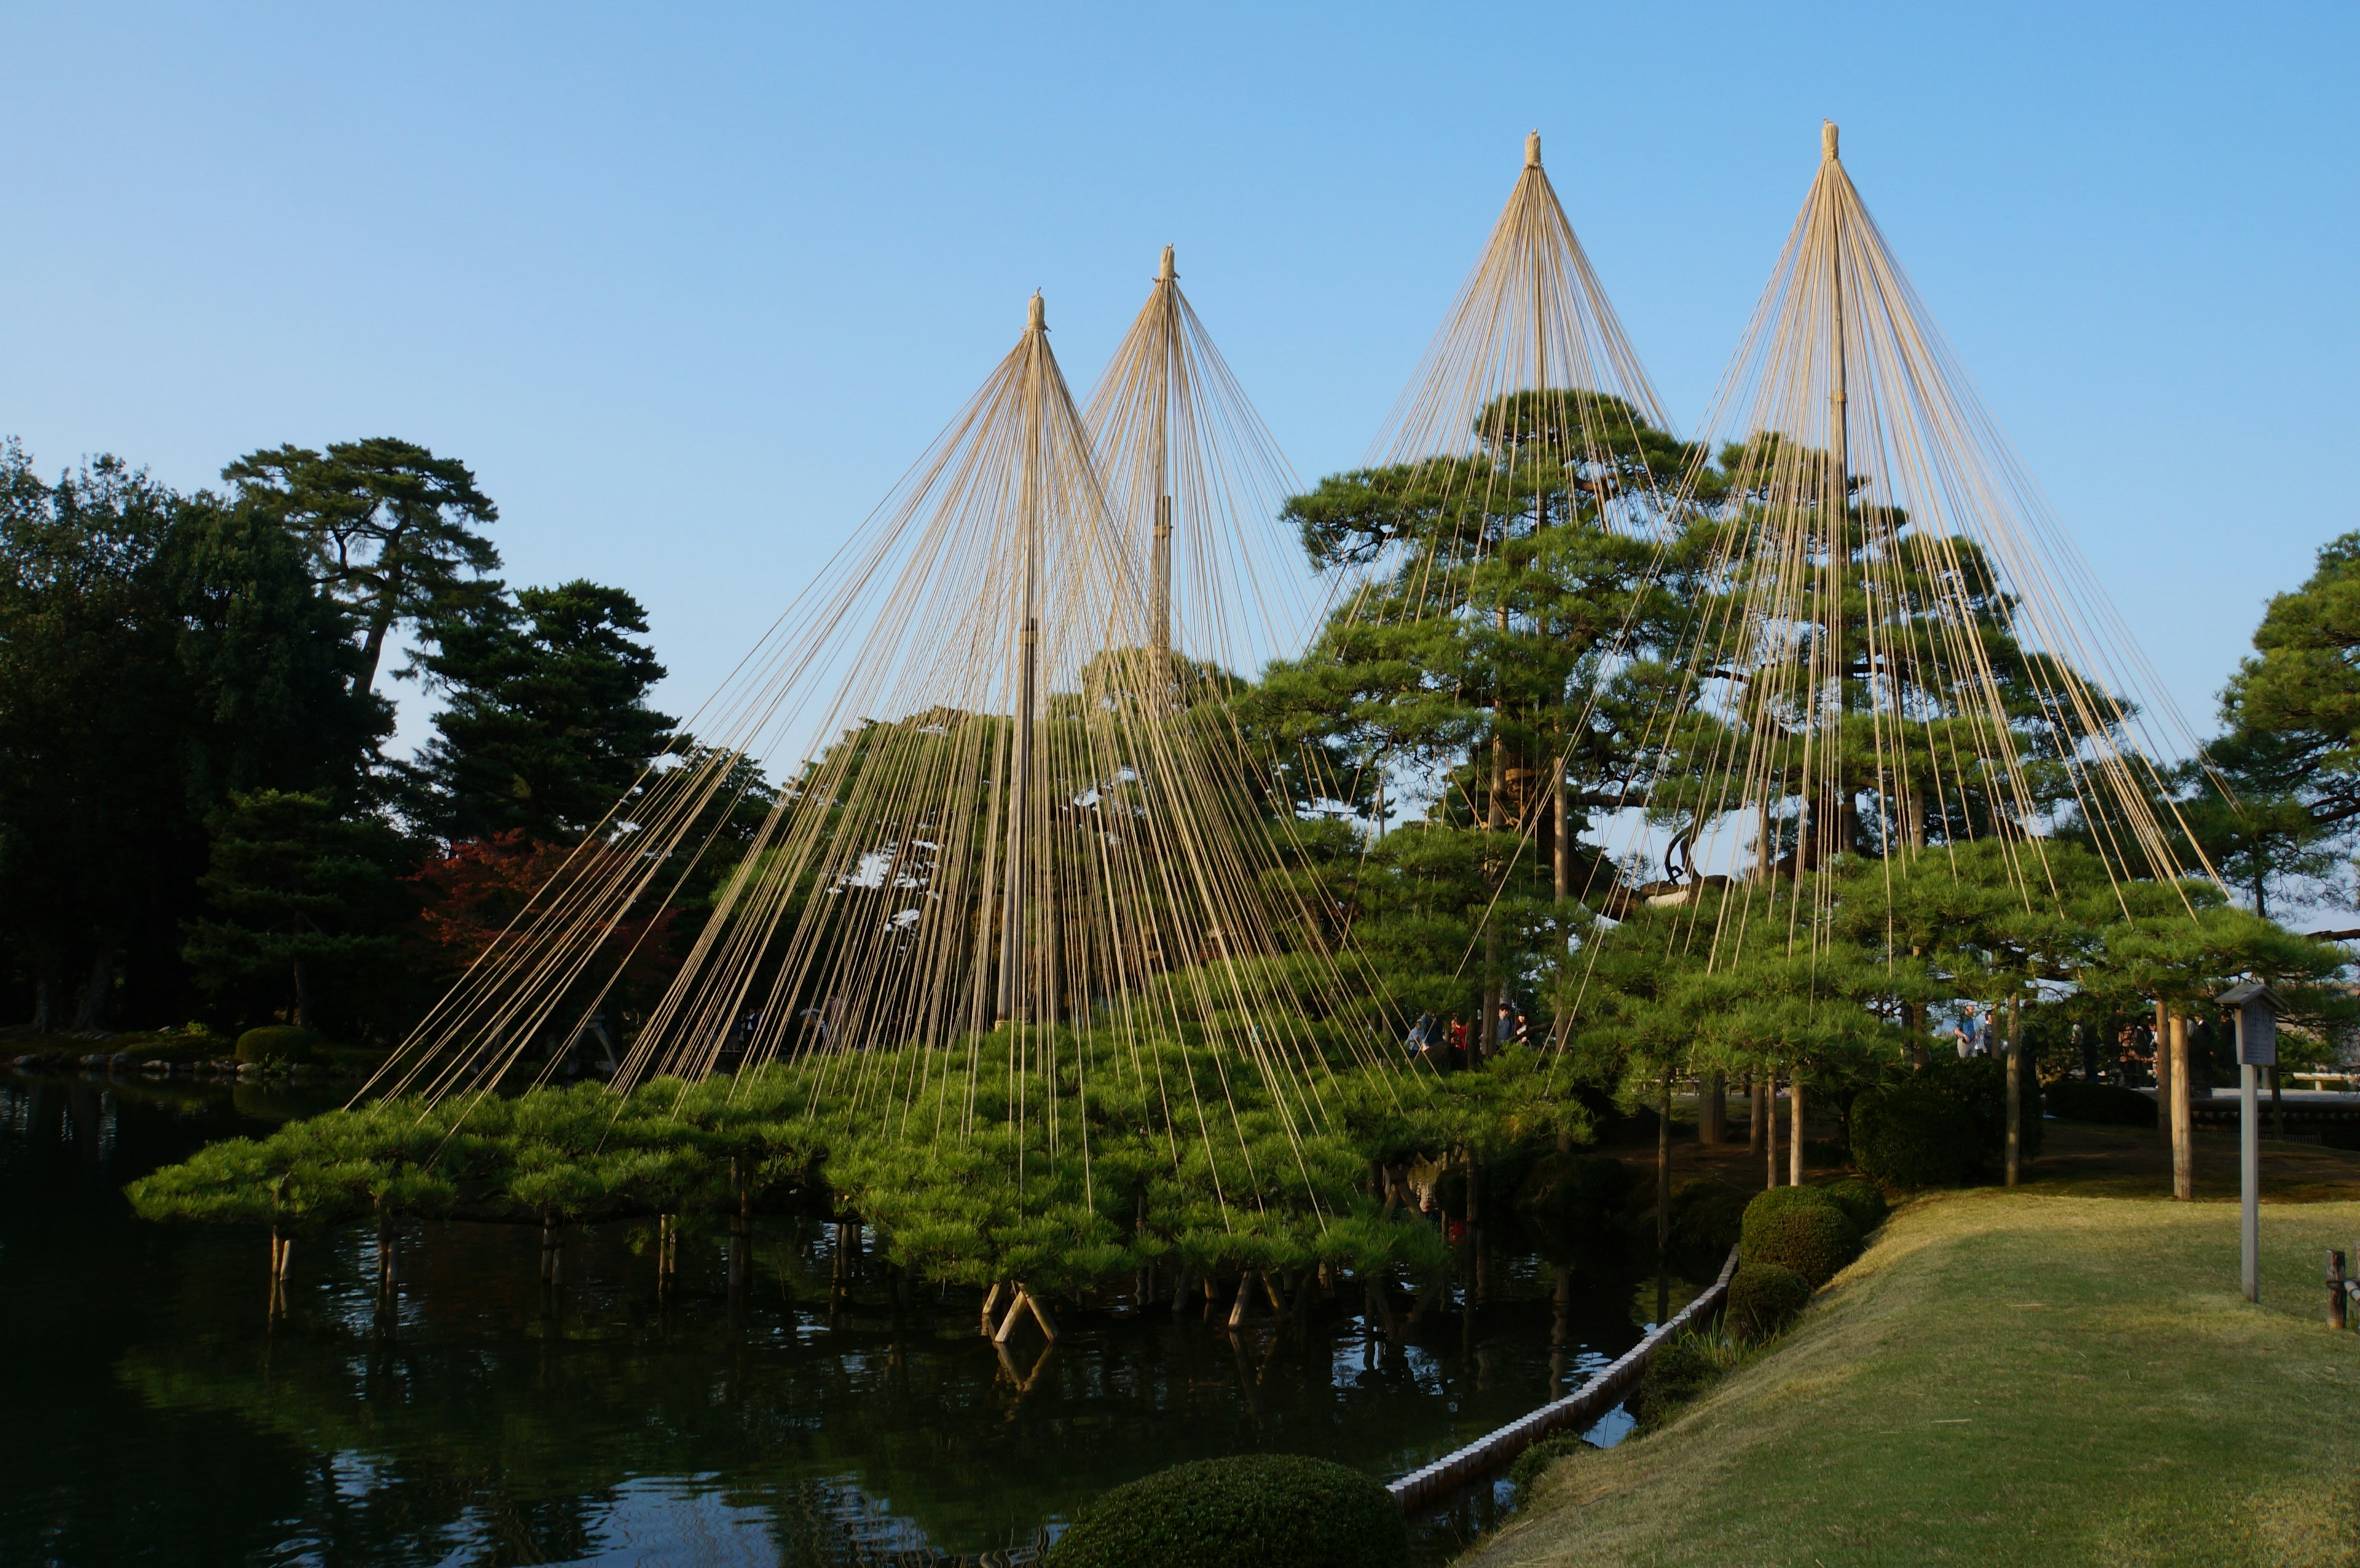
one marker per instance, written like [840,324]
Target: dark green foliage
[1574,1206]
[1708,1215]
[1253,1511]
[1912,1135]
[304,902]
[390,528]
[2111,1105]
[1979,1084]
[278,1043]
[157,653]
[1682,1367]
[1861,1199]
[1533,1461]
[548,725]
[1802,1229]
[1764,1298]
[2341,1134]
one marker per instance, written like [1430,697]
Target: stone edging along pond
[1581,1408]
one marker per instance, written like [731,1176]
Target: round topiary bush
[1913,1134]
[1248,1511]
[276,1043]
[1861,1198]
[1802,1229]
[2071,1100]
[1764,1298]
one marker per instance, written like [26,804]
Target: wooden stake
[990,1300]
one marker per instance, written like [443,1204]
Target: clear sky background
[690,287]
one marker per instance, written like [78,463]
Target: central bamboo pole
[1166,287]
[1012,996]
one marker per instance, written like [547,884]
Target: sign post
[2258,1046]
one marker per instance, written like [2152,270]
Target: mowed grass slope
[2008,1378]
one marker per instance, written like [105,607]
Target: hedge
[1861,1199]
[1252,1510]
[1802,1229]
[1763,1298]
[2072,1100]
[1913,1134]
[277,1042]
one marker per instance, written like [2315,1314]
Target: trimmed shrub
[1533,1461]
[1802,1229]
[2111,1105]
[1913,1134]
[1764,1298]
[1682,1367]
[1707,1216]
[276,1043]
[1247,1512]
[1861,1199]
[1979,1083]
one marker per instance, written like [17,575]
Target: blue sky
[690,287]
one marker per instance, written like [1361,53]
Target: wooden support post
[2015,1097]
[1041,1315]
[2336,1293]
[1180,1288]
[2183,1116]
[1244,1300]
[1795,1141]
[990,1300]
[1008,1324]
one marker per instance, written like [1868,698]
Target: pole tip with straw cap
[1166,273]
[1037,317]
[1533,148]
[1828,141]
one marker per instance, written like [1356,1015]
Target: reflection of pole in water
[1560,1331]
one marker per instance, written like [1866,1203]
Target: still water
[151,1412]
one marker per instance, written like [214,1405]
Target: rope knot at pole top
[1167,272]
[1532,149]
[1828,141]
[1037,318]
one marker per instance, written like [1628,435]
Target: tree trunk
[1663,1176]
[2183,1116]
[1795,1142]
[1770,1123]
[1713,1109]
[2015,1094]
[90,1013]
[44,1008]
[1755,1114]
[2163,1074]
[302,993]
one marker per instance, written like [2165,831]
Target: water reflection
[827,1413]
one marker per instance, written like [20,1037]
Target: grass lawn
[2042,1377]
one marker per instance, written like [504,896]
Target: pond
[155,1409]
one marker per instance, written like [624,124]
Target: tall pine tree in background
[548,724]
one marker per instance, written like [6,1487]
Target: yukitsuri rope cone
[1026,846]
[1898,649]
